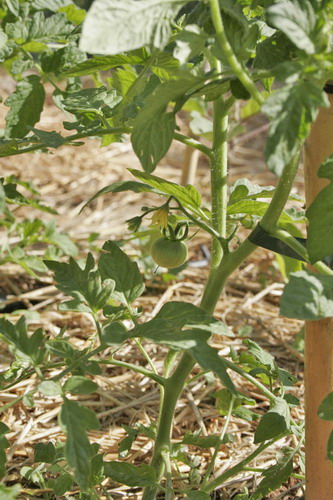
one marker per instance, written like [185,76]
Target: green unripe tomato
[169,253]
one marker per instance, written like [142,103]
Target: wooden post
[190,164]
[318,334]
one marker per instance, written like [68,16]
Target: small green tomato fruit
[169,253]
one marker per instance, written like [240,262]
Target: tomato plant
[148,62]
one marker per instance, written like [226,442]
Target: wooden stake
[190,164]
[318,334]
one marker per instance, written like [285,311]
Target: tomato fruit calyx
[169,253]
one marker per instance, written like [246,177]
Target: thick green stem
[172,389]
[219,173]
[281,195]
[239,70]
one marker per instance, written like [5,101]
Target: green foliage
[308,296]
[111,28]
[319,243]
[291,109]
[75,419]
[26,105]
[275,422]
[275,475]
[146,64]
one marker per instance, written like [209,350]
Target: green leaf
[152,142]
[79,385]
[105,63]
[3,39]
[75,420]
[209,359]
[4,443]
[275,475]
[131,475]
[13,6]
[197,495]
[115,265]
[254,207]
[194,439]
[14,196]
[8,147]
[44,452]
[308,296]
[292,109]
[224,397]
[52,5]
[325,410]
[200,125]
[297,21]
[174,316]
[244,189]
[260,355]
[121,186]
[114,333]
[50,388]
[38,30]
[189,43]
[62,484]
[320,231]
[49,139]
[166,328]
[10,492]
[185,315]
[153,112]
[73,13]
[188,195]
[26,104]
[276,421]
[112,27]
[238,90]
[27,346]
[62,59]
[125,445]
[92,99]
[63,349]
[85,285]
[272,51]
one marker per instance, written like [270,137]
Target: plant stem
[168,489]
[269,221]
[281,195]
[211,464]
[138,369]
[173,387]
[189,141]
[239,70]
[238,467]
[287,238]
[145,355]
[218,179]
[251,379]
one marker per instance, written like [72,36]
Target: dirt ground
[66,179]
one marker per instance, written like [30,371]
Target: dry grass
[66,179]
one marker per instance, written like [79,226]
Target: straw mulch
[66,179]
